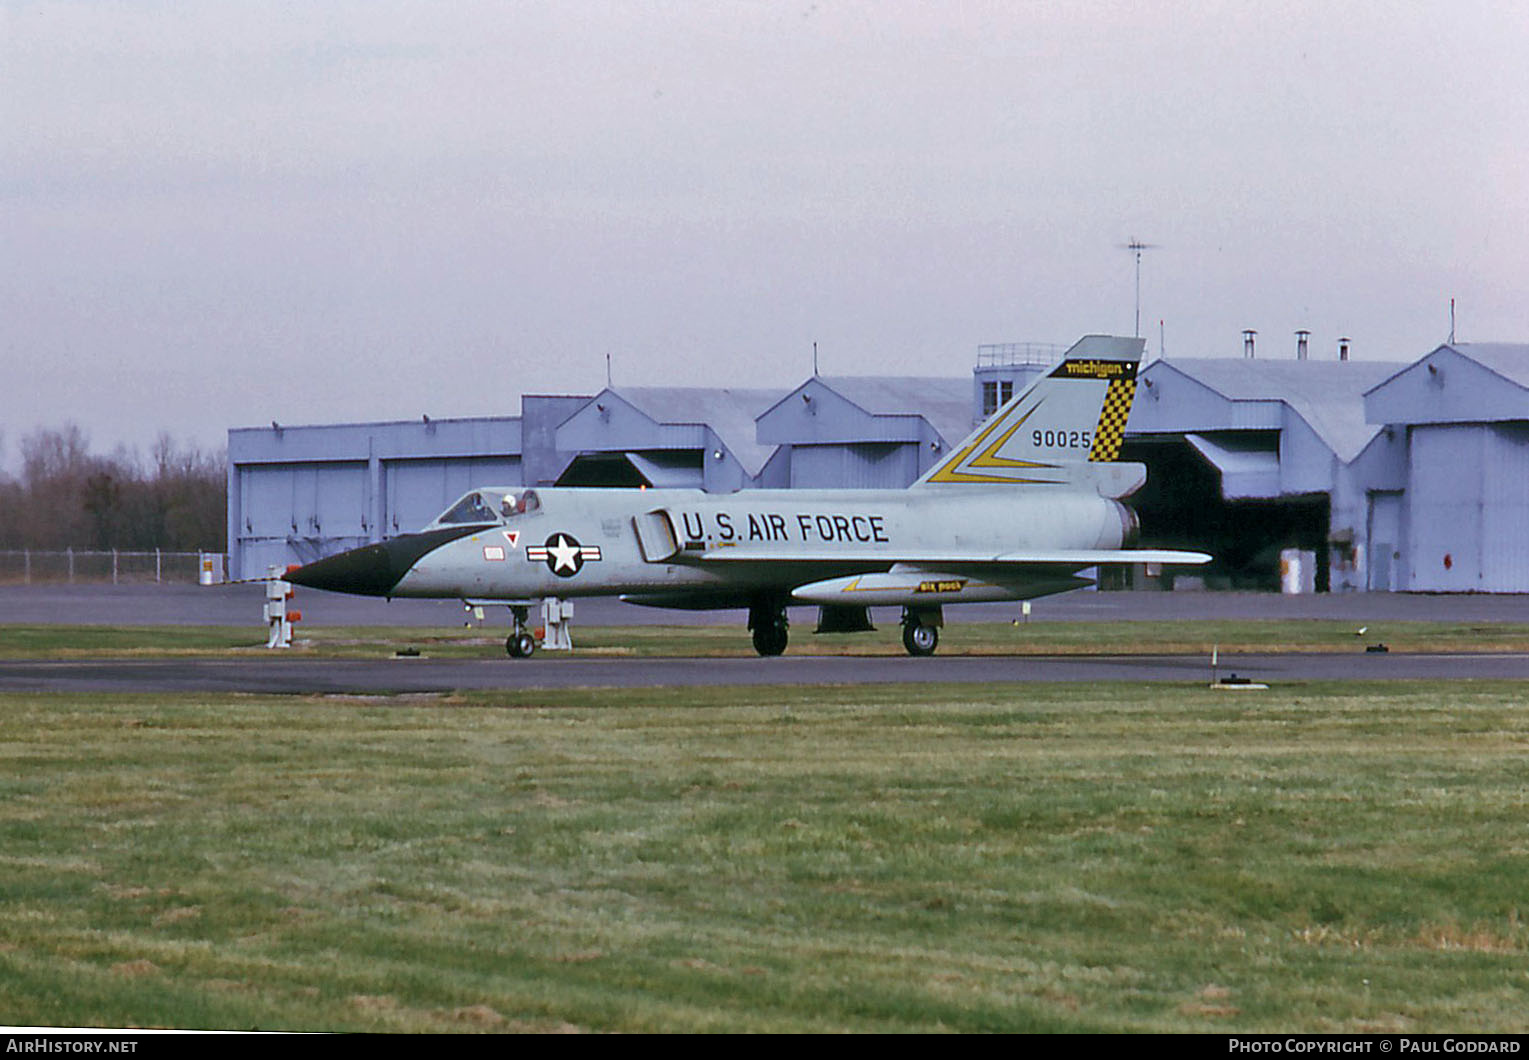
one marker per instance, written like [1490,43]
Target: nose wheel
[521,643]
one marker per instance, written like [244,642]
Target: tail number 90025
[1062,439]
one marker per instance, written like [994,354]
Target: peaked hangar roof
[1493,386]
[1328,395]
[729,412]
[944,401]
[1507,359]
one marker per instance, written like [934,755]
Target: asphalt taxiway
[290,675]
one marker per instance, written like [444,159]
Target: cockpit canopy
[489,506]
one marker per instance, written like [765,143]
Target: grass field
[1006,858]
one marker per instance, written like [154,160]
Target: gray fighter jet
[1016,511]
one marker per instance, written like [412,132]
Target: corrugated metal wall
[1505,492]
[296,512]
[863,465]
[289,509]
[1468,507]
[1444,509]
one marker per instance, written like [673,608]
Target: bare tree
[67,497]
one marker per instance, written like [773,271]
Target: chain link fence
[114,567]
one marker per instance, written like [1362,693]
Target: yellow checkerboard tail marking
[1112,420]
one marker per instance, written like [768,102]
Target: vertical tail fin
[1074,414]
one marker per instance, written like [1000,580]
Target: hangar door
[1467,506]
[419,490]
[294,513]
[1506,511]
[656,468]
[1385,538]
[1445,509]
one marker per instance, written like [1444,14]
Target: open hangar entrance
[632,470]
[1183,505]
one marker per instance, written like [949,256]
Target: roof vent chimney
[1247,343]
[1343,349]
[1302,344]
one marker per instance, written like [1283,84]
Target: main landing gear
[921,630]
[767,622]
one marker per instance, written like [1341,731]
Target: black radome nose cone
[366,571]
[374,570]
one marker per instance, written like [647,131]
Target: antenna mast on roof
[814,360]
[1136,246]
[1451,321]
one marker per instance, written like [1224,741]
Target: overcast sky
[218,214]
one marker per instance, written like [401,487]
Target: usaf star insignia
[563,554]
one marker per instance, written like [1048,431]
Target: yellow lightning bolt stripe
[955,461]
[990,458]
[951,470]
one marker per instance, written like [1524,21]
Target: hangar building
[1358,462]
[298,493]
[1247,457]
[1449,511]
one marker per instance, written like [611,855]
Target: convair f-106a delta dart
[1016,511]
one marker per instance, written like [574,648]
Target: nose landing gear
[521,643]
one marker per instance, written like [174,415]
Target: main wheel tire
[770,639]
[920,639]
[520,645]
